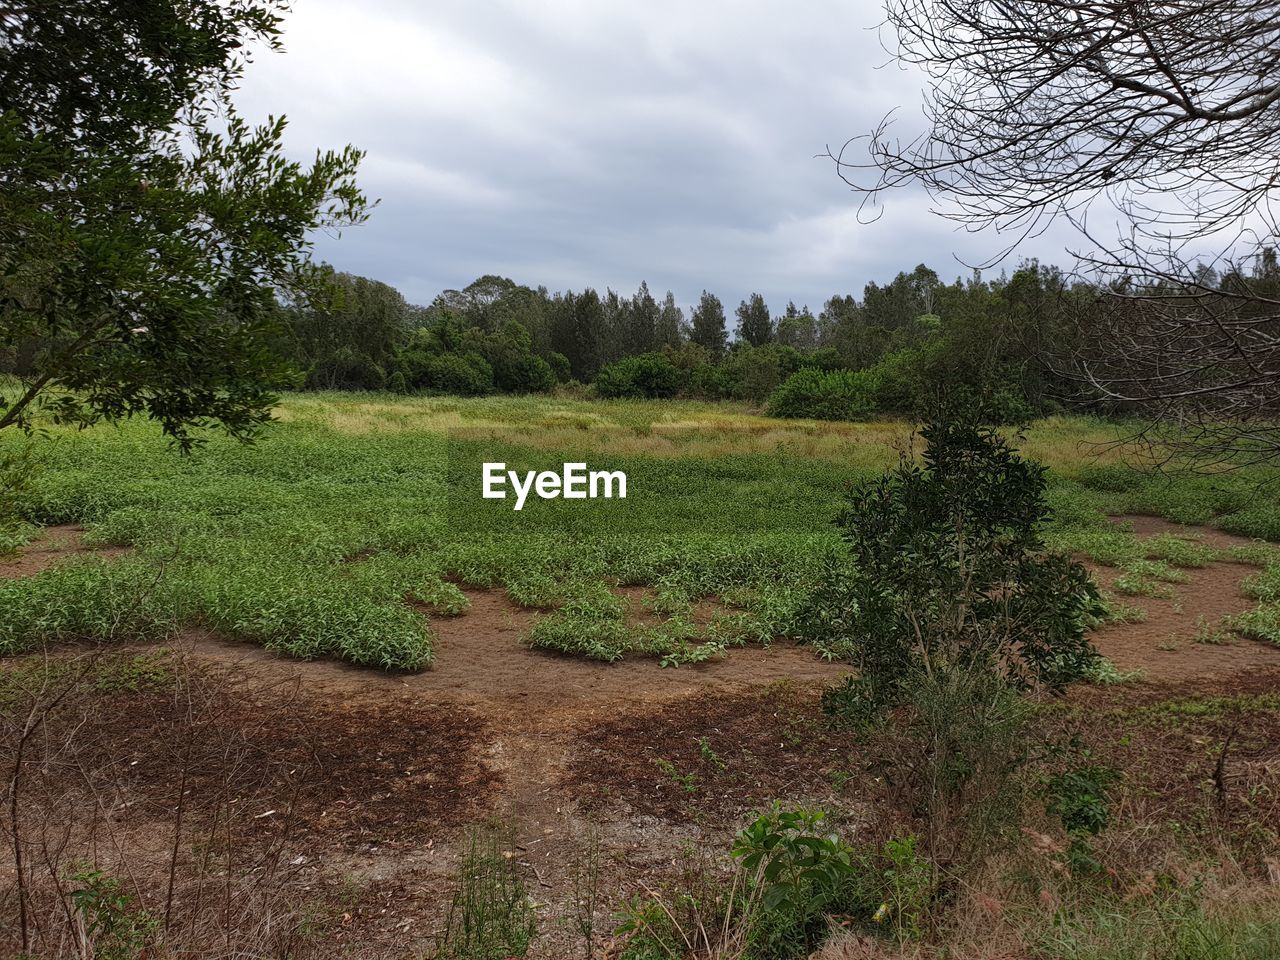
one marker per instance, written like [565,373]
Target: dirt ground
[379,773]
[53,545]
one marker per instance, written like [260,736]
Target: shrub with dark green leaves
[950,569]
[825,395]
[649,375]
[346,369]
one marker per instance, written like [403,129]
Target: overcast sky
[579,143]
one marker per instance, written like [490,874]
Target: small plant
[1209,636]
[688,782]
[909,880]
[586,889]
[1104,673]
[802,872]
[1079,798]
[490,917]
[115,926]
[709,756]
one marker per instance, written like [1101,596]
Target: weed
[115,926]
[490,916]
[688,782]
[709,756]
[1104,673]
[586,889]
[1079,798]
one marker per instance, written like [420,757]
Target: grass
[312,541]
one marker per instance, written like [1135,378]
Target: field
[326,652]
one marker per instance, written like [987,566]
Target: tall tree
[709,330]
[643,319]
[145,226]
[755,325]
[798,328]
[1167,113]
[671,324]
[576,330]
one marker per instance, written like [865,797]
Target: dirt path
[51,546]
[1170,643]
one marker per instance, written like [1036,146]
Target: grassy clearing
[311,542]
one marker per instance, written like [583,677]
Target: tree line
[885,351]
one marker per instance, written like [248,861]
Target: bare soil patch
[347,770]
[482,659]
[51,546]
[715,753]
[1164,644]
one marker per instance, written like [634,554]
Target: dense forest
[1007,340]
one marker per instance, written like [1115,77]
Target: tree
[1167,113]
[755,325]
[345,312]
[577,329]
[798,328]
[145,227]
[671,325]
[708,325]
[643,322]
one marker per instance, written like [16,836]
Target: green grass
[315,541]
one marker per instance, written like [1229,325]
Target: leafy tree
[755,325]
[798,328]
[344,312]
[951,571]
[709,330]
[145,227]
[670,331]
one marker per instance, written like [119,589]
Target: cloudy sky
[582,143]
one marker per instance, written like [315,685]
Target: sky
[573,143]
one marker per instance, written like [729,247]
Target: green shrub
[346,369]
[950,569]
[648,375]
[824,395]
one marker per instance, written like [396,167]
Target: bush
[466,374]
[950,568]
[753,373]
[346,369]
[525,374]
[649,375]
[950,606]
[560,367]
[824,395]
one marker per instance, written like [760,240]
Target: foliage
[145,226]
[649,375]
[116,926]
[802,872]
[824,395]
[345,369]
[707,325]
[909,887]
[17,471]
[1077,796]
[951,569]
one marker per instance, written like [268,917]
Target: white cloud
[575,142]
